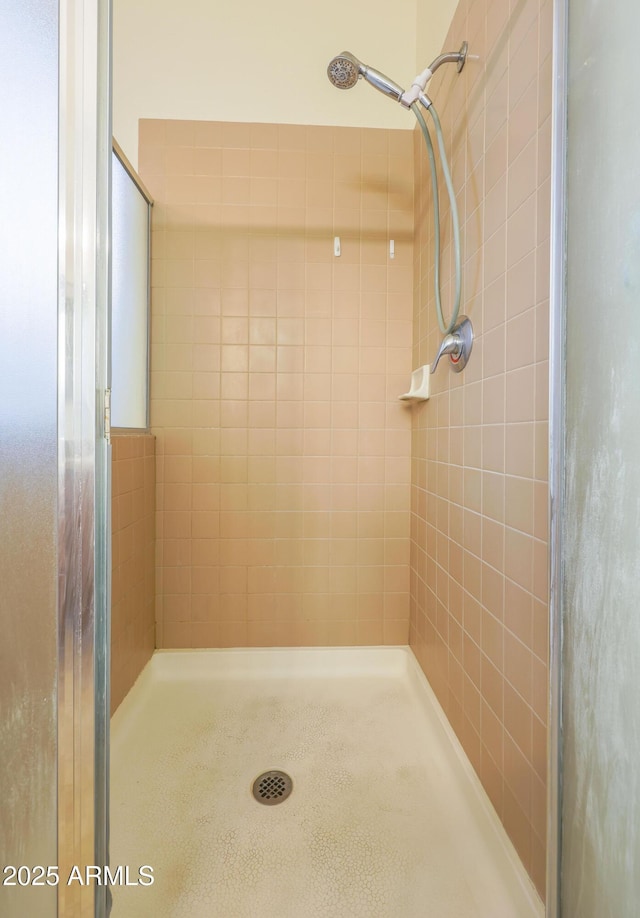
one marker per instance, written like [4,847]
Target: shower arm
[416,92]
[451,57]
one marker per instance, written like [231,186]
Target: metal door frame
[557,307]
[84,452]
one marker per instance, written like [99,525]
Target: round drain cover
[272,787]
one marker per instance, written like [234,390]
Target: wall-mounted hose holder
[457,344]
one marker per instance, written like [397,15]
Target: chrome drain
[272,787]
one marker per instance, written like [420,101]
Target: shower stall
[300,503]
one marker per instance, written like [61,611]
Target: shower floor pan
[386,818]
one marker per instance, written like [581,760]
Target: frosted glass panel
[601,708]
[28,446]
[130,303]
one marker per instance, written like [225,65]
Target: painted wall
[479,592]
[239,62]
[433,18]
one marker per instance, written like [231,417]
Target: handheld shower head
[345,68]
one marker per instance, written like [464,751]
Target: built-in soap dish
[419,391]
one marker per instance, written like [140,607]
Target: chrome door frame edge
[556,449]
[83,452]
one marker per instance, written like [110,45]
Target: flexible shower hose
[444,327]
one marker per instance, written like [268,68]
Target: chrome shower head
[345,68]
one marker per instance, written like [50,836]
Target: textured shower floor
[386,819]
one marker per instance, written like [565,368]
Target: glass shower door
[600,532]
[28,452]
[54,481]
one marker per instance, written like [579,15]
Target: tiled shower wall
[283,453]
[479,479]
[133,476]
